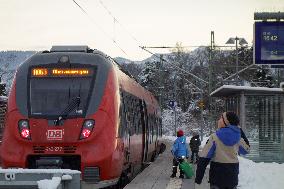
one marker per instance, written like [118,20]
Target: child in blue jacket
[180,152]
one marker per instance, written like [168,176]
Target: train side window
[153,127]
[133,116]
[138,116]
[122,123]
[157,128]
[120,129]
[128,114]
[150,129]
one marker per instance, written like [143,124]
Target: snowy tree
[133,68]
[9,61]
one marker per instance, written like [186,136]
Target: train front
[62,113]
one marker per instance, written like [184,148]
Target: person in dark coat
[222,149]
[194,146]
[180,152]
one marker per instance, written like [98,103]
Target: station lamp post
[240,41]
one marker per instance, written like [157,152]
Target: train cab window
[51,96]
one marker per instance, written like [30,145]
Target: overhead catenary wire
[135,39]
[143,48]
[97,25]
[188,46]
[117,21]
[173,65]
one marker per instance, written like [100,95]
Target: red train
[74,108]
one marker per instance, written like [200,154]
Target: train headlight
[87,129]
[86,133]
[24,129]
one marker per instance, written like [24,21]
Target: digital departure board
[269,43]
[61,72]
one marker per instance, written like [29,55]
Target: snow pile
[260,175]
[49,184]
[66,177]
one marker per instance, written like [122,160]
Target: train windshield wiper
[69,108]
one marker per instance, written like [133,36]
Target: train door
[145,129]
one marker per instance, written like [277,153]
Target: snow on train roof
[227,90]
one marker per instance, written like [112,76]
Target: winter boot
[181,175]
[174,172]
[173,175]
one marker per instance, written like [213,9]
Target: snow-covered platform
[157,175]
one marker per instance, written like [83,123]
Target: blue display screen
[269,43]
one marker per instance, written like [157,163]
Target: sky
[39,24]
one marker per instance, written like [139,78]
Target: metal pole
[210,79]
[237,58]
[243,110]
[175,98]
[202,120]
[160,81]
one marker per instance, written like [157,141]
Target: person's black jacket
[195,143]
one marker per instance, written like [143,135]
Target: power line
[102,30]
[188,46]
[173,65]
[117,21]
[142,47]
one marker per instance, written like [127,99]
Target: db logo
[55,134]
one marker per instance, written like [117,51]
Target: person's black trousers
[176,162]
[192,156]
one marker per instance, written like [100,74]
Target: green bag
[187,168]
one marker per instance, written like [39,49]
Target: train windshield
[50,96]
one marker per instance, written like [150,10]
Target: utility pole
[237,58]
[212,46]
[161,81]
[202,119]
[175,100]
